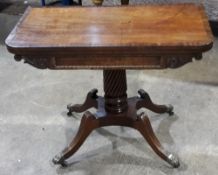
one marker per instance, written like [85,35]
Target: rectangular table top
[131,29]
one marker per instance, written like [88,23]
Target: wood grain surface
[151,26]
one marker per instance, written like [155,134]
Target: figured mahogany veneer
[112,39]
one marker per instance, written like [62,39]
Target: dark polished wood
[116,109]
[127,117]
[214,27]
[113,39]
[90,102]
[128,37]
[146,102]
[124,2]
[115,88]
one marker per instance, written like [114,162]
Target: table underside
[109,62]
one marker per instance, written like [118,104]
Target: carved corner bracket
[40,63]
[178,61]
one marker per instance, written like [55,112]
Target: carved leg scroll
[144,127]
[91,101]
[87,125]
[146,102]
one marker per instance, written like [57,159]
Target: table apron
[137,62]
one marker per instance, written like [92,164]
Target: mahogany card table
[112,39]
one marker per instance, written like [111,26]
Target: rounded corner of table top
[208,46]
[11,48]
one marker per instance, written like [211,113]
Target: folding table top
[134,29]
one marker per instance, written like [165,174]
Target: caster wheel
[173,160]
[58,160]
